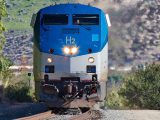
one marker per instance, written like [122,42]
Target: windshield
[52,19]
[83,19]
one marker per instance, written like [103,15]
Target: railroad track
[89,115]
[40,116]
[75,115]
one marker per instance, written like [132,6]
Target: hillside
[139,28]
[20,12]
[133,38]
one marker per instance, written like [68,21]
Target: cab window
[85,19]
[52,19]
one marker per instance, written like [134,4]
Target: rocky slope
[18,47]
[146,37]
[135,33]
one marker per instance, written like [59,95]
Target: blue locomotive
[70,55]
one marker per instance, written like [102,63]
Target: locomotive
[70,55]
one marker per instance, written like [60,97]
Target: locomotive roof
[69,7]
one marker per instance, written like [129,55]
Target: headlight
[66,50]
[91,59]
[49,60]
[74,50]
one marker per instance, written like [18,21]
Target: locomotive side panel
[36,54]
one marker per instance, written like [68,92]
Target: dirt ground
[17,110]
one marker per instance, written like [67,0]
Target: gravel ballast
[119,115]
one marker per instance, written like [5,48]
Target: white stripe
[108,20]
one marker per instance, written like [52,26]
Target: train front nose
[70,77]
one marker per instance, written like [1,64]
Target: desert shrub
[114,100]
[142,88]
[17,93]
[19,89]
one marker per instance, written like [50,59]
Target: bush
[19,89]
[18,92]
[142,89]
[113,100]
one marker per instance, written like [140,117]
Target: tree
[2,28]
[142,89]
[4,62]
